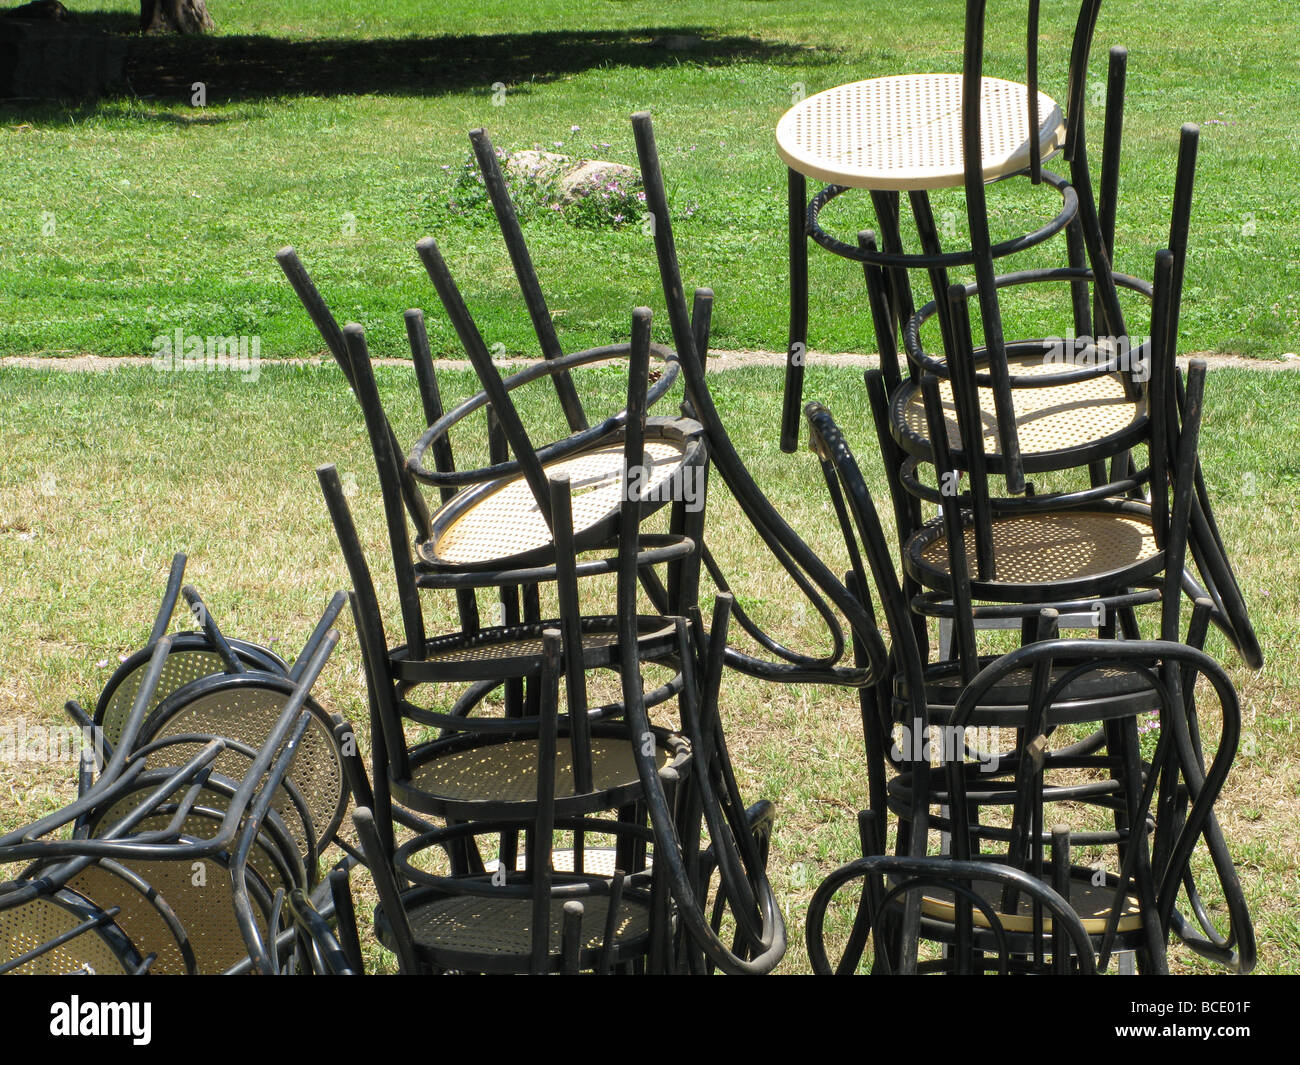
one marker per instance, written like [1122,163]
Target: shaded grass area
[107,475]
[339,127]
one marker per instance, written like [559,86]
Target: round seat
[500,524]
[903,133]
[516,650]
[477,776]
[484,934]
[1109,692]
[1091,902]
[1047,557]
[35,927]
[1056,425]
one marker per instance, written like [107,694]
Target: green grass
[339,127]
[106,475]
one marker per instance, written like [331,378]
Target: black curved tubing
[776,533]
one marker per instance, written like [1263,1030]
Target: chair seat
[474,777]
[144,916]
[494,934]
[904,132]
[103,950]
[1053,555]
[516,650]
[1054,425]
[1109,692]
[245,709]
[1092,903]
[499,523]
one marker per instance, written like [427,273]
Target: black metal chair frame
[1114,699]
[1090,224]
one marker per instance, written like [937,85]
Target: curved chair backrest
[1171,670]
[812,577]
[1072,950]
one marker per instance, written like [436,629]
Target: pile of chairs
[210,790]
[508,832]
[1120,517]
[523,816]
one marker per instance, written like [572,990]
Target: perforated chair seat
[470,778]
[904,132]
[200,894]
[30,926]
[1053,424]
[145,916]
[244,708]
[1091,902]
[1048,556]
[494,934]
[1110,692]
[500,523]
[516,650]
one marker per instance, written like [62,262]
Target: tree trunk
[174,16]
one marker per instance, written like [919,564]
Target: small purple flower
[640,197]
[574,129]
[617,219]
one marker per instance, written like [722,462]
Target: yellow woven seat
[502,521]
[1091,902]
[1059,418]
[507,772]
[904,132]
[1051,551]
[35,923]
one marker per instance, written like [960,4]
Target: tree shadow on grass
[248,68]
[242,68]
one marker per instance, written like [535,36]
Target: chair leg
[797,348]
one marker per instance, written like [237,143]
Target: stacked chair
[203,808]
[547,831]
[1109,422]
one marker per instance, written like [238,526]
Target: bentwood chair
[1042,688]
[916,133]
[526,913]
[1101,418]
[404,679]
[1070,548]
[813,581]
[493,531]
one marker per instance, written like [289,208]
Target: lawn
[106,475]
[340,127]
